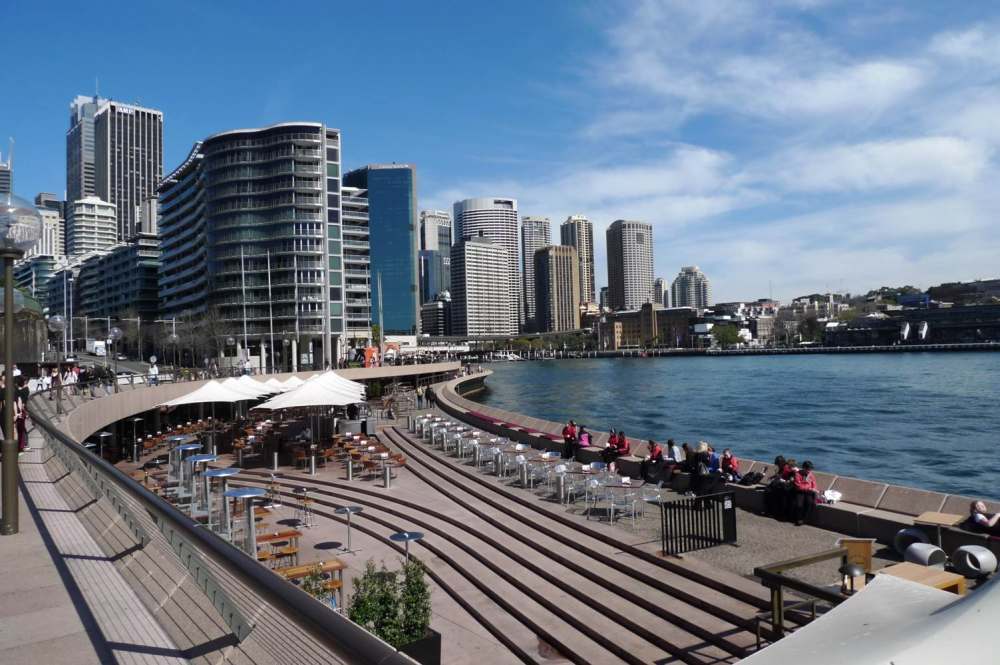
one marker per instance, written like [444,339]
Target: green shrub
[396,608]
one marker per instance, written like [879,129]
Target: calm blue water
[924,420]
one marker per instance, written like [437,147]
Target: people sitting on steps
[803,497]
[652,466]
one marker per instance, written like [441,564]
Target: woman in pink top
[803,493]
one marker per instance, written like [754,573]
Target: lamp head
[20,224]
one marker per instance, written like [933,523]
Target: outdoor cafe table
[328,566]
[291,535]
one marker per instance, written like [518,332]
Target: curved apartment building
[251,234]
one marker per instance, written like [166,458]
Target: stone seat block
[860,492]
[841,517]
[629,465]
[589,454]
[910,501]
[883,525]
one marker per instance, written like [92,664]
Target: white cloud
[835,163]
[979,44]
[932,161]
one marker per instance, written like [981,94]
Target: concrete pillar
[295,355]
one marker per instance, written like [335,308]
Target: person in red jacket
[617,443]
[569,440]
[803,493]
[730,466]
[652,466]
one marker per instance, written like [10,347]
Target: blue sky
[802,144]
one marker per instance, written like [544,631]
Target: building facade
[435,254]
[494,219]
[435,316]
[258,212]
[128,159]
[557,288]
[122,281]
[435,231]
[480,291]
[661,293]
[7,175]
[393,228]
[357,265]
[536,233]
[630,264]
[91,226]
[33,274]
[80,154]
[578,232]
[435,273]
[691,288]
[647,326]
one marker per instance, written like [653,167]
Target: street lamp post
[114,334]
[57,324]
[20,227]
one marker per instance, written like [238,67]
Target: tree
[726,336]
[810,329]
[396,608]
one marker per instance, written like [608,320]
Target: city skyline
[735,139]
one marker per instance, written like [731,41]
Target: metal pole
[381,325]
[9,524]
[72,341]
[243,288]
[65,329]
[270,307]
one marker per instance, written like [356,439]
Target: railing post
[778,611]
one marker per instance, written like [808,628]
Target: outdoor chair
[622,503]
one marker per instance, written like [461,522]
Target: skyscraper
[392,225]
[494,219]
[91,226]
[435,231]
[557,288]
[480,291]
[80,148]
[630,264]
[355,220]
[52,242]
[253,206]
[578,232]
[7,175]
[661,293]
[691,288]
[435,254]
[536,232]
[128,159]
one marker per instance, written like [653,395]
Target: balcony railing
[257,606]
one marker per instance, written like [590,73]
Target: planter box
[427,650]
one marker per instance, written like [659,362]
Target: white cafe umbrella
[255,385]
[293,382]
[278,386]
[251,392]
[210,392]
[314,393]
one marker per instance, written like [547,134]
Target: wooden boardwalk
[62,600]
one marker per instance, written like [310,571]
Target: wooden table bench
[932,577]
[329,566]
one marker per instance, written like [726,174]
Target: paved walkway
[61,598]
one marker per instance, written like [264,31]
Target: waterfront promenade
[516,575]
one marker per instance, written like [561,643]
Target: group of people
[661,461]
[791,493]
[20,404]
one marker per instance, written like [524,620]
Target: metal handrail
[337,633]
[772,576]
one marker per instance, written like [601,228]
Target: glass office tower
[393,242]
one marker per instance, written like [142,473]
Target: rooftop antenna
[97,87]
[10,154]
[770,291]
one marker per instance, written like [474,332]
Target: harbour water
[924,420]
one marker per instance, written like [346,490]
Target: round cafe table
[222,475]
[247,494]
[194,461]
[177,458]
[405,537]
[349,510]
